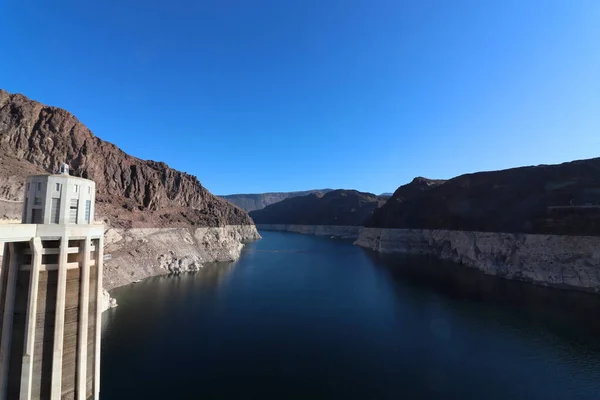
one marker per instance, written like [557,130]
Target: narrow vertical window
[36,216]
[55,211]
[58,187]
[88,204]
[73,211]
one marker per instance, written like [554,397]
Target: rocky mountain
[251,202]
[338,207]
[547,199]
[37,138]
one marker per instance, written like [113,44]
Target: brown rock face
[46,136]
[338,207]
[559,199]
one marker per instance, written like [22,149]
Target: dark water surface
[306,317]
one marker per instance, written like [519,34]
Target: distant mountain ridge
[337,207]
[257,201]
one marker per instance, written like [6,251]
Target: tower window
[76,188]
[58,187]
[39,186]
[73,209]
[88,204]
[55,211]
[36,216]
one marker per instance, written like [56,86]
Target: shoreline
[566,262]
[559,261]
[337,231]
[139,253]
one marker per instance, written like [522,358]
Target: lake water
[304,317]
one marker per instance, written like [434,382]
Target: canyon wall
[139,253]
[338,231]
[551,260]
[36,138]
[48,136]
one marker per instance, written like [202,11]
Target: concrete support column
[84,305]
[7,320]
[59,321]
[99,263]
[4,272]
[31,317]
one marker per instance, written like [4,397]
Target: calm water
[306,317]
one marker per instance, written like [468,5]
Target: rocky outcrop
[536,224]
[338,207]
[139,253]
[551,260]
[341,232]
[46,136]
[559,199]
[251,202]
[107,301]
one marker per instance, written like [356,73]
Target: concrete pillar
[99,262]
[4,271]
[59,324]
[84,301]
[7,320]
[31,317]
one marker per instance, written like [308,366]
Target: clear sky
[255,95]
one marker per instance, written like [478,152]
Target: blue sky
[255,96]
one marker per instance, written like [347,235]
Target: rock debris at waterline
[140,253]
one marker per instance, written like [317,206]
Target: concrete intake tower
[51,292]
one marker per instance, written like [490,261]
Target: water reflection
[565,320]
[557,307]
[306,317]
[163,295]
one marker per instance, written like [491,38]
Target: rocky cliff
[562,261]
[251,202]
[139,253]
[545,199]
[45,137]
[159,220]
[338,207]
[537,224]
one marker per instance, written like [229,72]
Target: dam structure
[50,293]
